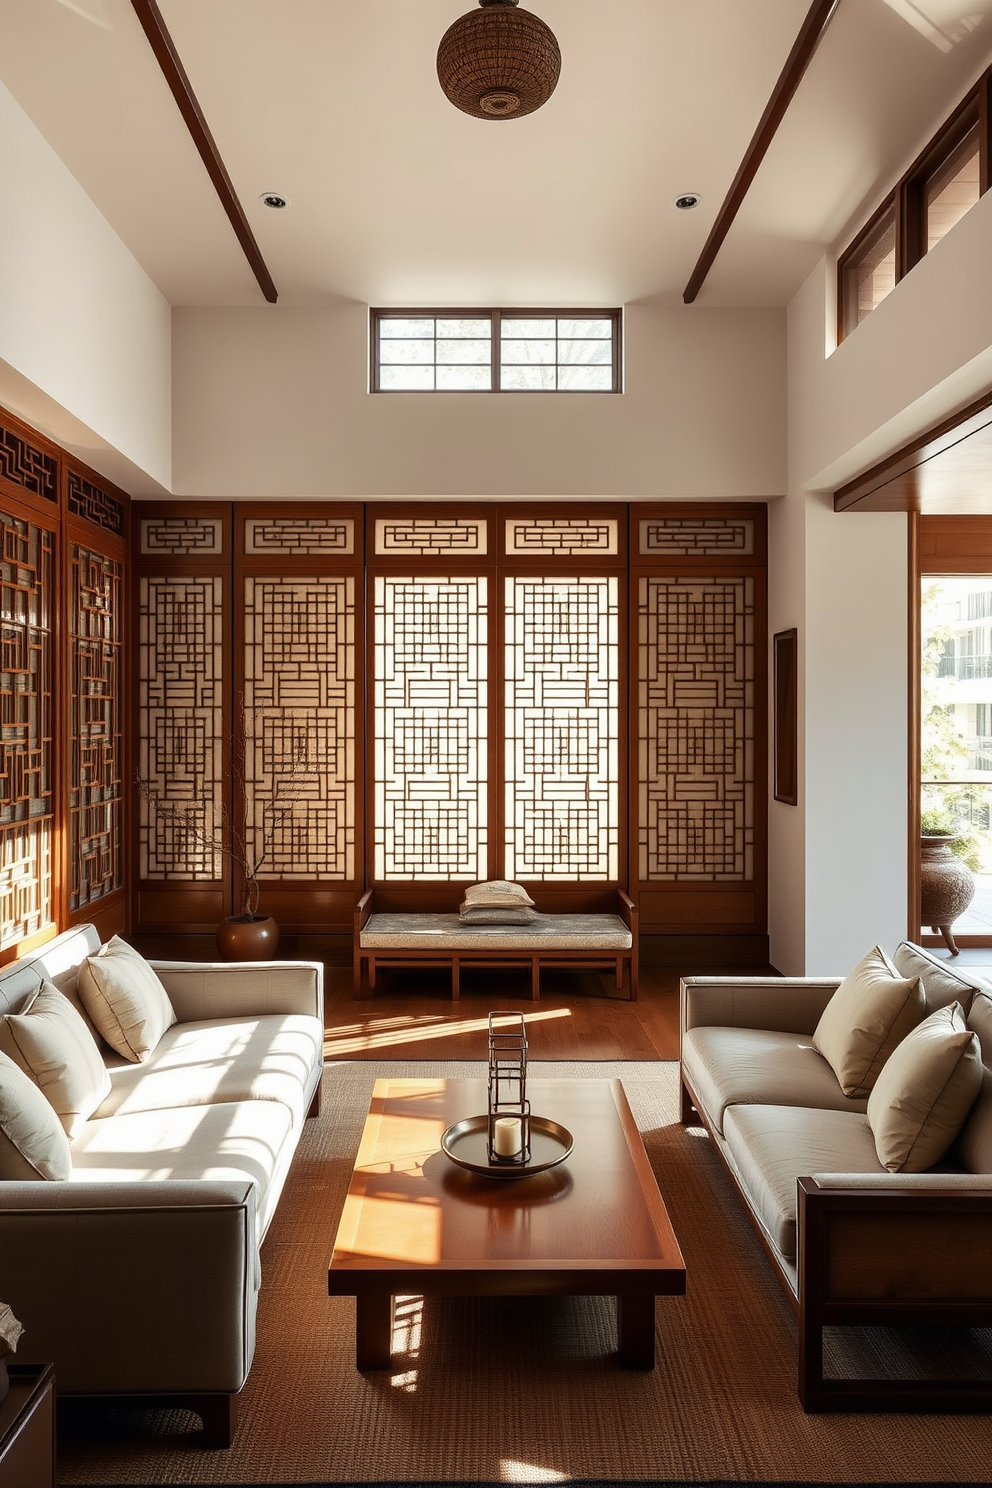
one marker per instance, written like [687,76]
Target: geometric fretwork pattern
[430,728]
[95,745]
[26,745]
[95,504]
[697,537]
[27,466]
[421,537]
[199,535]
[562,660]
[180,725]
[299,537]
[546,536]
[299,717]
[696,729]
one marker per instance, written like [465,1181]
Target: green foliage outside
[946,809]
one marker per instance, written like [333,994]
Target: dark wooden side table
[27,1428]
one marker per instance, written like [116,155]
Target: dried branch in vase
[231,834]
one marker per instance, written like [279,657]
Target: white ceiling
[399,199]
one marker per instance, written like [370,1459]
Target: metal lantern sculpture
[498,62]
[509,1108]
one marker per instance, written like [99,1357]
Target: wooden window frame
[909,194]
[496,317]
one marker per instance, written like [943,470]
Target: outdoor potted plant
[946,883]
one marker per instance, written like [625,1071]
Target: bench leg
[535,979]
[456,979]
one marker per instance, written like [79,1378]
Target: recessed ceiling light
[274,199]
[686,200]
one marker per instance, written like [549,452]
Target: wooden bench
[587,942]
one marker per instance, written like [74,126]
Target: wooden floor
[412,1016]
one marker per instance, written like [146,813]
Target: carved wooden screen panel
[300,745]
[698,749]
[696,729]
[562,691]
[431,728]
[26,728]
[181,743]
[96,742]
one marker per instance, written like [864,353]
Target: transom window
[941,185]
[495,351]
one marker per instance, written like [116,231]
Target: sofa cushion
[974,1144]
[752,1066]
[271,1057]
[33,1143]
[871,1011]
[925,1091]
[51,1043]
[942,984]
[772,1146]
[125,998]
[242,1139]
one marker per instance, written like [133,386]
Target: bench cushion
[446,932]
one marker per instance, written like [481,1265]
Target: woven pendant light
[498,62]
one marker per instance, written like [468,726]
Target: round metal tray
[467,1144]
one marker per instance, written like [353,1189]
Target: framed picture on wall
[785,692]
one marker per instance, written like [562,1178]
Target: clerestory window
[495,351]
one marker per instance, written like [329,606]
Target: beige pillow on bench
[871,1012]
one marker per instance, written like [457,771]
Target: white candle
[508,1135]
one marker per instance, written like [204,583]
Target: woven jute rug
[524,1390]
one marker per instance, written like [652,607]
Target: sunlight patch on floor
[389,1032]
[407,1320]
[526,1472]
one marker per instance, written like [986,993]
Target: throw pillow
[871,1011]
[126,1000]
[928,1086]
[483,914]
[50,1042]
[32,1142]
[497,892]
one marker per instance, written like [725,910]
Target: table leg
[373,1331]
[635,1330]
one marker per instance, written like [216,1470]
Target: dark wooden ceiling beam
[817,20]
[174,72]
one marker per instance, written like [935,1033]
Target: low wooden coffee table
[414,1224]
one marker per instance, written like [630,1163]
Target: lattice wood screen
[299,719]
[431,726]
[26,728]
[696,729]
[96,755]
[522,709]
[562,690]
[181,726]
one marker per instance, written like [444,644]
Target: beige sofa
[140,1274]
[853,1243]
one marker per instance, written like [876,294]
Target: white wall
[273,402]
[839,862]
[85,336]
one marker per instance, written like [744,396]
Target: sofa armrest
[239,989]
[890,1250]
[134,1287]
[782,1004]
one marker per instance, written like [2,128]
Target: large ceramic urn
[946,886]
[248,937]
